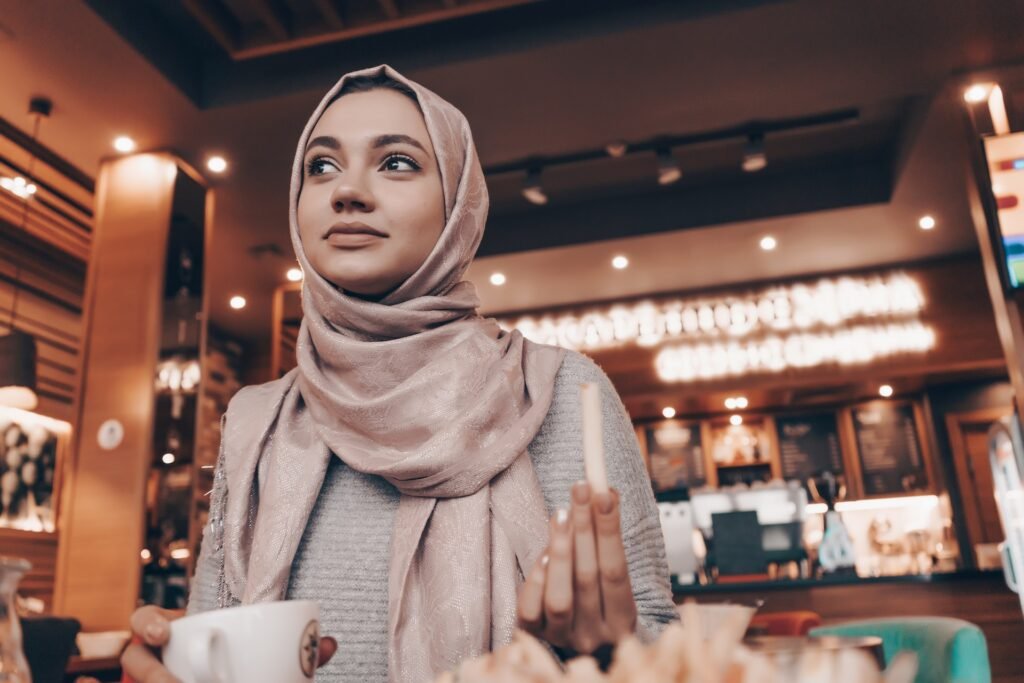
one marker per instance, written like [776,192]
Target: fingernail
[581,492]
[604,502]
[562,518]
[156,630]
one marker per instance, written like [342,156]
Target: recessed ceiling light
[741,402]
[620,262]
[294,274]
[730,403]
[145,554]
[736,420]
[237,302]
[168,458]
[124,144]
[498,279]
[885,391]
[217,164]
[668,412]
[768,243]
[18,186]
[977,92]
[926,222]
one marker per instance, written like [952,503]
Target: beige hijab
[417,389]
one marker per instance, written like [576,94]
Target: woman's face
[371,206]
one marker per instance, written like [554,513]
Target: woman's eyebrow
[385,140]
[324,141]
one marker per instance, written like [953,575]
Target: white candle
[593,443]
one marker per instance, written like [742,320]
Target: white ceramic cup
[270,642]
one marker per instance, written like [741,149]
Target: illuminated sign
[832,321]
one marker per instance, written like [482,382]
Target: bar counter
[980,597]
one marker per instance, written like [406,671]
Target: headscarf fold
[420,390]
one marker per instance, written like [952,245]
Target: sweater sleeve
[559,463]
[207,586]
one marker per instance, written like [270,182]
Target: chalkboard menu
[809,445]
[676,456]
[889,449]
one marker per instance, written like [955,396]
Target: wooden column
[98,574]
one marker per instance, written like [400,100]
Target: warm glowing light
[885,391]
[620,262]
[498,279]
[730,403]
[124,144]
[768,243]
[829,304]
[18,186]
[217,164]
[180,554]
[741,402]
[977,92]
[904,502]
[668,412]
[168,458]
[926,222]
[857,345]
[736,420]
[146,555]
[294,274]
[237,302]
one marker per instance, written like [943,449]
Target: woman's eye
[319,167]
[400,162]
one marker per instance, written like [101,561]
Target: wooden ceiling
[256,28]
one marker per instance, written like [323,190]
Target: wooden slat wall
[41,550]
[44,251]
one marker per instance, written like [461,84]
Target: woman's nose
[349,195]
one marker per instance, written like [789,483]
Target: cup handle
[202,655]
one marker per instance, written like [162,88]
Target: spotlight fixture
[124,144]
[498,279]
[668,168]
[736,420]
[926,222]
[741,402]
[620,262]
[885,391]
[532,190]
[668,412]
[294,274]
[768,243]
[616,149]
[217,164]
[754,158]
[237,302]
[730,403]
[168,458]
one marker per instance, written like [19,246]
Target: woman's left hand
[578,596]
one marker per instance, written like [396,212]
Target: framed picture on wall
[32,451]
[675,455]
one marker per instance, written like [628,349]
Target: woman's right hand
[151,629]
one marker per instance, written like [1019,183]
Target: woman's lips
[352,240]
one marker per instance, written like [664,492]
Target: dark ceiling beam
[390,8]
[330,12]
[449,4]
[217,19]
[274,16]
[836,182]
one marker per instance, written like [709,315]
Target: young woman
[403,475]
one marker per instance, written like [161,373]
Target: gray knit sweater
[342,561]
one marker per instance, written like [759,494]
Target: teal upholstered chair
[948,650]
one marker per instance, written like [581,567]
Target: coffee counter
[980,597]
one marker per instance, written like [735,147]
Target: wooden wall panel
[41,550]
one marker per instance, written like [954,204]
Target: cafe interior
[788,231]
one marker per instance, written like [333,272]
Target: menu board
[809,446]
[676,456]
[889,449]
